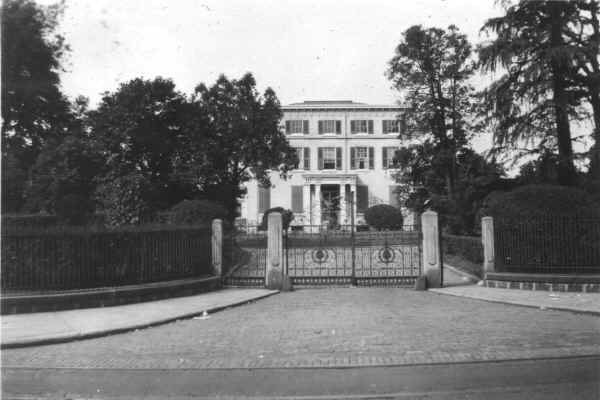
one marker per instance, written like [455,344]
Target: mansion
[345,151]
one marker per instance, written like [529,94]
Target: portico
[329,198]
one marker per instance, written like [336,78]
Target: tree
[423,185]
[583,36]
[34,110]
[535,98]
[139,129]
[241,139]
[67,166]
[432,67]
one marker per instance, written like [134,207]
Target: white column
[306,204]
[317,205]
[274,273]
[353,194]
[343,216]
[487,238]
[217,246]
[431,249]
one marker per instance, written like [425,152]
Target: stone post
[487,238]
[431,249]
[274,273]
[217,246]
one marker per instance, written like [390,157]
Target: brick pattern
[333,327]
[551,287]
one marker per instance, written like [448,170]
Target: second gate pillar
[432,266]
[274,272]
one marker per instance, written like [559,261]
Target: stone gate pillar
[217,247]
[274,272]
[487,238]
[431,249]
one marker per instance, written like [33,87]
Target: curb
[515,303]
[109,331]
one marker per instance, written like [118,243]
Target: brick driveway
[333,327]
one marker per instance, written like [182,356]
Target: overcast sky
[305,50]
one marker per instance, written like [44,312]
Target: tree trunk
[566,166]
[594,88]
[595,151]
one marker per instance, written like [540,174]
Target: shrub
[540,201]
[196,212]
[127,200]
[384,217]
[287,216]
[74,209]
[468,247]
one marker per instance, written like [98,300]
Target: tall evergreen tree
[534,100]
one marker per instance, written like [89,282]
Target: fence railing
[75,258]
[547,245]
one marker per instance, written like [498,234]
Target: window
[296,126]
[394,196]
[390,126]
[387,155]
[330,158]
[330,126]
[362,198]
[297,195]
[303,154]
[362,157]
[361,126]
[264,199]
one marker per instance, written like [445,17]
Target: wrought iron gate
[317,256]
[246,248]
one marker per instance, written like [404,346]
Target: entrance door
[330,205]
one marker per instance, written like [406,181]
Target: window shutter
[287,127]
[362,198]
[384,158]
[394,202]
[338,127]
[307,158]
[320,154]
[352,126]
[264,199]
[352,158]
[305,127]
[338,158]
[297,199]
[370,125]
[403,125]
[320,127]
[371,157]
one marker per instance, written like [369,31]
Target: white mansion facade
[346,153]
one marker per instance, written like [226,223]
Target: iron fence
[547,245]
[80,258]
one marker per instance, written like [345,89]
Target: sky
[305,50]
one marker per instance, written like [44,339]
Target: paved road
[548,379]
[327,329]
